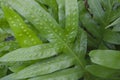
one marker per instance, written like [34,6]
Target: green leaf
[9,77]
[96,10]
[8,46]
[116,13]
[112,37]
[45,67]
[80,45]
[31,53]
[90,25]
[94,30]
[53,5]
[25,36]
[117,21]
[103,72]
[3,23]
[91,77]
[61,12]
[1,13]
[53,64]
[107,5]
[68,74]
[71,14]
[107,58]
[17,66]
[116,28]
[3,35]
[3,70]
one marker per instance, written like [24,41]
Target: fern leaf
[31,53]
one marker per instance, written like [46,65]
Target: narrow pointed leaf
[24,35]
[68,74]
[8,77]
[71,14]
[45,67]
[17,66]
[31,53]
[117,21]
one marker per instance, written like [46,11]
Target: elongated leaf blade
[25,36]
[8,77]
[45,67]
[31,53]
[103,72]
[80,45]
[117,21]
[107,58]
[112,37]
[71,14]
[17,66]
[116,28]
[68,74]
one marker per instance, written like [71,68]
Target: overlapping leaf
[52,32]
[57,22]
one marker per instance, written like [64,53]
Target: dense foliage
[59,39]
